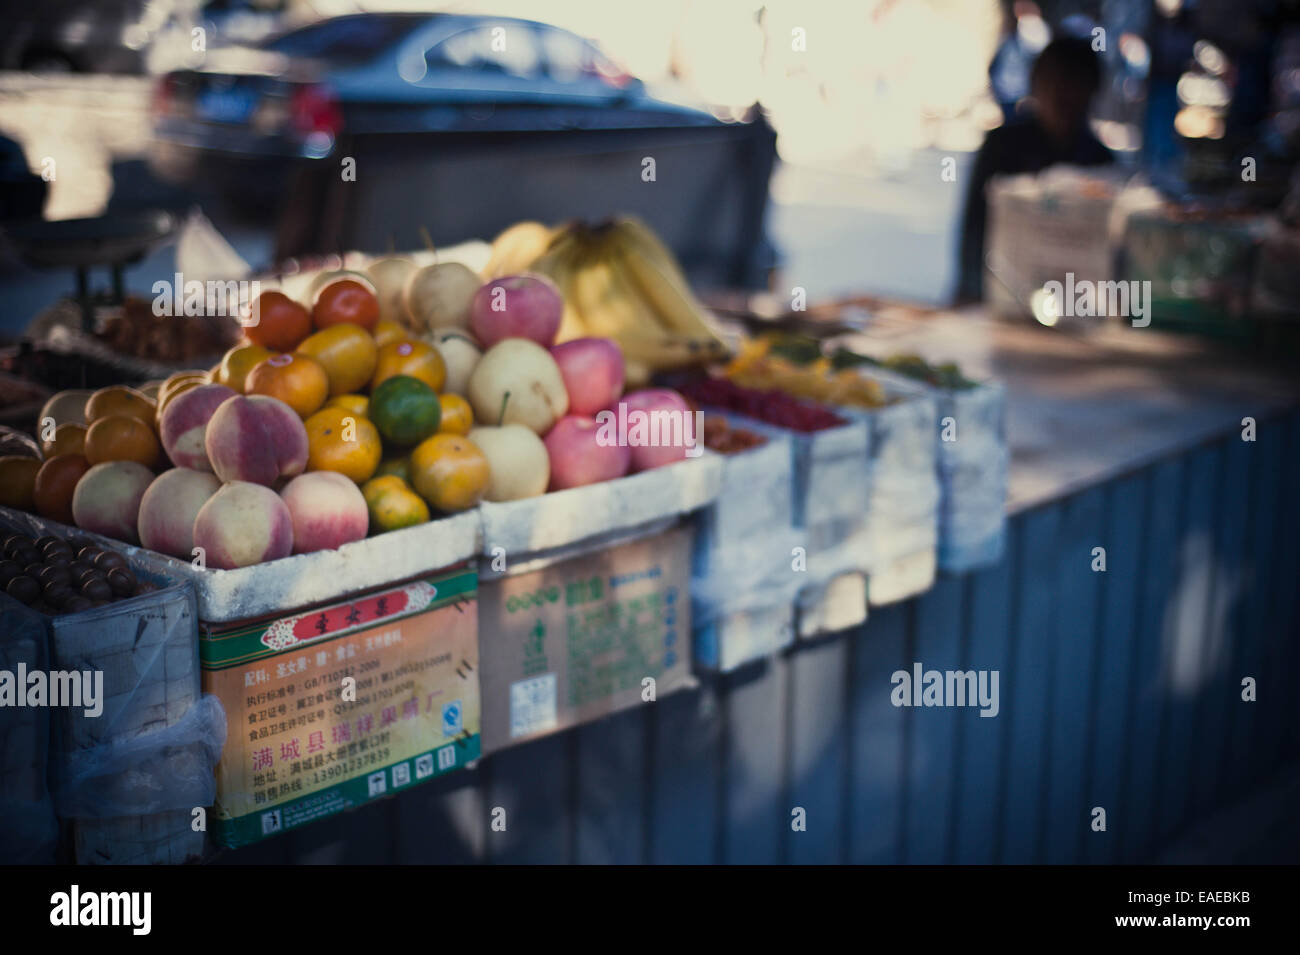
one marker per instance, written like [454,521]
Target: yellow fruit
[237,363]
[348,354]
[388,332]
[68,439]
[450,472]
[122,437]
[357,404]
[413,358]
[343,441]
[457,416]
[392,504]
[297,380]
[119,399]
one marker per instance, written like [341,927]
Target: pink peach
[168,509]
[184,423]
[243,524]
[107,499]
[256,439]
[328,510]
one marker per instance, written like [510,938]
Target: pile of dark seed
[56,575]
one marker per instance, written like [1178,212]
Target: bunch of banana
[620,282]
[516,248]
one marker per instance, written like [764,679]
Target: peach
[107,499]
[257,439]
[328,510]
[243,524]
[168,509]
[184,422]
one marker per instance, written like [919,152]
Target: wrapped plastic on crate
[903,506]
[131,774]
[974,468]
[29,832]
[743,584]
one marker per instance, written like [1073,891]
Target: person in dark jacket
[1064,79]
[22,192]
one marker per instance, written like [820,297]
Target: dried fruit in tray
[773,407]
[58,575]
[946,375]
[758,366]
[724,438]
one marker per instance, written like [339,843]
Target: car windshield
[352,39]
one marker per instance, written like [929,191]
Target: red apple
[592,369]
[660,427]
[516,306]
[578,455]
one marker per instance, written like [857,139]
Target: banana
[675,304]
[517,248]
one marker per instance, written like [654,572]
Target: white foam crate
[744,540]
[515,530]
[973,473]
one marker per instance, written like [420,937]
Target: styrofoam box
[742,611]
[560,519]
[225,596]
[903,512]
[973,474]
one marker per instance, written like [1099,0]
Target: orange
[357,404]
[55,482]
[281,322]
[345,301]
[68,439]
[450,472]
[392,504]
[416,359]
[388,331]
[119,399]
[174,383]
[343,441]
[347,353]
[120,437]
[18,481]
[237,363]
[457,415]
[297,380]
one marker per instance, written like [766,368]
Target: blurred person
[22,192]
[1054,129]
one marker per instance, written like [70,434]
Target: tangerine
[457,415]
[297,380]
[346,352]
[121,437]
[55,482]
[237,364]
[119,399]
[416,359]
[387,331]
[68,438]
[343,441]
[279,323]
[450,472]
[345,301]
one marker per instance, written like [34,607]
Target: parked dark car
[456,126]
[292,97]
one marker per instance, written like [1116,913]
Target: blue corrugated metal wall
[1118,689]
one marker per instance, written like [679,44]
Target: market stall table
[1119,689]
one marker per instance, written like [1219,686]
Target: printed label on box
[584,637]
[330,708]
[532,706]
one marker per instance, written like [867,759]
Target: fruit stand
[421,513]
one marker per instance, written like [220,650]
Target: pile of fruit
[773,407]
[620,282]
[757,365]
[56,575]
[395,394]
[947,375]
[725,438]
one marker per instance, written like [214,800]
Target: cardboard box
[298,749]
[574,639]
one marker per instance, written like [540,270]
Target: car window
[506,48]
[345,39]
